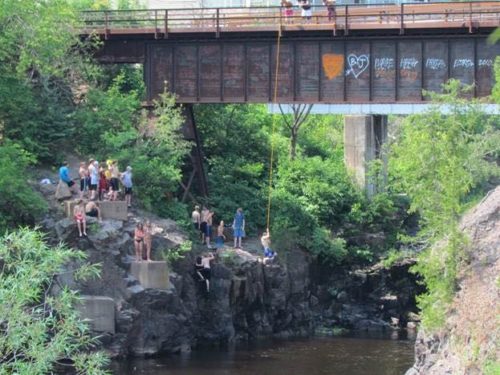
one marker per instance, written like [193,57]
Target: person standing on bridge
[306,10]
[330,7]
[288,6]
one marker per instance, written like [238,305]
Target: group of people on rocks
[202,221]
[306,9]
[96,184]
[99,182]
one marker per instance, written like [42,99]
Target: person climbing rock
[79,216]
[126,178]
[148,239]
[139,241]
[238,228]
[219,240]
[93,210]
[204,269]
[269,254]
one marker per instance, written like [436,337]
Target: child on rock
[269,254]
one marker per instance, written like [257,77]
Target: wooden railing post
[217,32]
[165,33]
[346,27]
[470,18]
[106,25]
[156,24]
[281,17]
[402,15]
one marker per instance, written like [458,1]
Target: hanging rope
[275,98]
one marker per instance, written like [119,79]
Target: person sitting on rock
[139,241]
[198,269]
[64,176]
[93,210]
[79,215]
[269,254]
[148,239]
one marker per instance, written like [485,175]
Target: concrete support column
[364,137]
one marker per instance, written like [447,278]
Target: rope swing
[275,98]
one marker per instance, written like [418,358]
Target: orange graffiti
[332,64]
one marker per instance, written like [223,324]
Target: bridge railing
[405,15]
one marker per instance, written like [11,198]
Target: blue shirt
[238,220]
[127,179]
[64,174]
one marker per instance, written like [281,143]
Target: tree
[19,204]
[300,112]
[39,326]
[444,159]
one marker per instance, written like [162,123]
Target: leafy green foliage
[40,326]
[173,255]
[443,160]
[19,204]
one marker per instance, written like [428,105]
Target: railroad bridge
[377,54]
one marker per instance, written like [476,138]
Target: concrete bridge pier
[364,137]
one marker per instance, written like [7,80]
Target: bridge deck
[365,54]
[161,22]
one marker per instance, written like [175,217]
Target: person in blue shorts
[238,228]
[269,254]
[219,240]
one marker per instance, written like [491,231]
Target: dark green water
[317,356]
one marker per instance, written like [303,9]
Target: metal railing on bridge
[161,22]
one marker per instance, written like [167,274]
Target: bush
[39,327]
[19,204]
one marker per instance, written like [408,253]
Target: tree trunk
[293,144]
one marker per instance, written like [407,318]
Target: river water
[316,356]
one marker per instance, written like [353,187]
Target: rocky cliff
[293,297]
[469,340]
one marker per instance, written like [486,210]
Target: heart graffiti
[357,64]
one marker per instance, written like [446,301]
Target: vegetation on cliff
[39,326]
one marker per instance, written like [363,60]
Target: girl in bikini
[138,241]
[148,238]
[79,215]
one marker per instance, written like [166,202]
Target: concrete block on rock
[100,311]
[151,275]
[109,209]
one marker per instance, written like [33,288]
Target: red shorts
[288,12]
